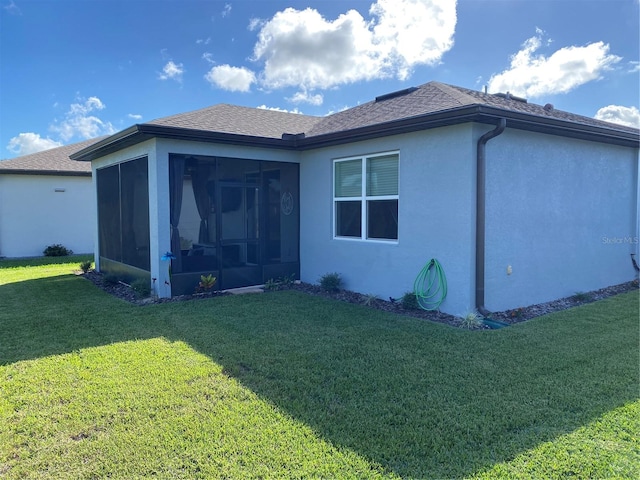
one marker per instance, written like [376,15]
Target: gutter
[141,132]
[55,173]
[471,113]
[481,212]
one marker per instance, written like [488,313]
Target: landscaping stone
[512,316]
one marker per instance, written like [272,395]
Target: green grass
[284,385]
[20,269]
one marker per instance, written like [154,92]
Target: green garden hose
[430,286]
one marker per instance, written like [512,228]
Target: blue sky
[75,69]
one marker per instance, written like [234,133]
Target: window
[366,197]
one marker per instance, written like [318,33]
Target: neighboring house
[519,203]
[46,199]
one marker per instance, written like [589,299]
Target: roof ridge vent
[399,93]
[509,96]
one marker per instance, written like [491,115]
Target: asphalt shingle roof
[433,103]
[54,161]
[233,119]
[436,97]
[432,97]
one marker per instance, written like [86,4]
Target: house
[519,203]
[46,198]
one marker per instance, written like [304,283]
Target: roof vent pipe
[480,212]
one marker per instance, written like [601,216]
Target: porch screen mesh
[123,213]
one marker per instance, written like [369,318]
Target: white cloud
[629,116]
[255,23]
[535,75]
[134,116]
[79,122]
[634,66]
[203,41]
[412,32]
[278,109]
[172,71]
[26,143]
[303,49]
[208,57]
[226,10]
[305,97]
[233,79]
[12,8]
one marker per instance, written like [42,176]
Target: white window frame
[363,199]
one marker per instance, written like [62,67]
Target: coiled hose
[430,286]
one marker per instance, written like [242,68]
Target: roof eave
[52,173]
[470,113]
[480,114]
[141,132]
[442,118]
[565,128]
[113,143]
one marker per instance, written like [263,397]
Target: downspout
[481,214]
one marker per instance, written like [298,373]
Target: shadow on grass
[420,399]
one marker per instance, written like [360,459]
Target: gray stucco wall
[561,212]
[435,220]
[41,210]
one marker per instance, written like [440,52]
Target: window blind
[382,175]
[348,178]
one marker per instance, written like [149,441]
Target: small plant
[517,313]
[206,283]
[471,320]
[331,282]
[409,301]
[581,297]
[282,282]
[287,280]
[370,299]
[57,250]
[141,287]
[85,266]
[110,279]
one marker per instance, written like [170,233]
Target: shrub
[141,287]
[282,282]
[409,301]
[471,320]
[56,250]
[287,280]
[85,266]
[206,283]
[331,282]
[581,297]
[370,299]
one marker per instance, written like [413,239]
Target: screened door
[239,237]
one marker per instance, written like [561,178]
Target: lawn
[284,385]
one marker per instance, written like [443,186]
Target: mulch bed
[125,292]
